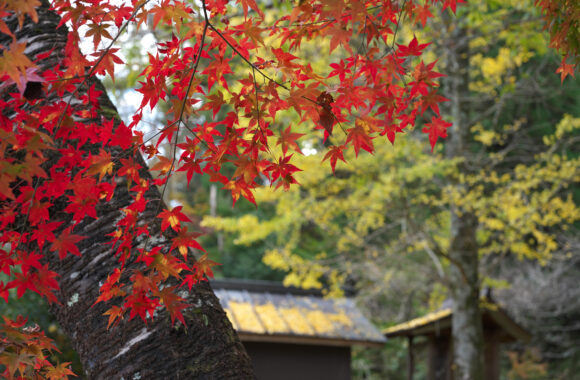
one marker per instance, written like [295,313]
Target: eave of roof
[440,319]
[437,321]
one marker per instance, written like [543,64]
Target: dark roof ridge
[271,286]
[262,286]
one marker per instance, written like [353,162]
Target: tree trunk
[467,328]
[208,348]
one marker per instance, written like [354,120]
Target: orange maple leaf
[204,265]
[16,65]
[339,36]
[114,313]
[98,30]
[163,165]
[23,8]
[101,164]
[247,4]
[565,69]
[173,218]
[60,371]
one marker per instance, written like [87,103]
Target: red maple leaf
[214,102]
[423,78]
[110,287]
[422,13]
[23,282]
[46,282]
[216,71]
[340,69]
[391,129]
[288,140]
[452,4]
[282,171]
[43,233]
[240,188]
[190,167]
[413,49]
[340,36]
[141,304]
[437,128]
[173,303]
[106,62]
[65,243]
[151,91]
[359,138]
[334,154]
[185,239]
[4,291]
[432,100]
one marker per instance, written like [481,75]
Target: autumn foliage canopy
[223,59]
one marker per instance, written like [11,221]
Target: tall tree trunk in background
[208,348]
[467,328]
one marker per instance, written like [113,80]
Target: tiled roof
[412,325]
[262,311]
[440,320]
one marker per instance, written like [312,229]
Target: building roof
[269,312]
[439,322]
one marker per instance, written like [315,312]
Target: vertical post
[410,358]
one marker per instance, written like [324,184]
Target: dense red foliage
[214,62]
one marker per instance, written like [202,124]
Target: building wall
[439,354]
[278,361]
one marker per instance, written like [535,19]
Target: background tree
[498,190]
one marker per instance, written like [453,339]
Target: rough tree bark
[208,348]
[467,330]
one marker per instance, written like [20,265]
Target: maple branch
[256,92]
[72,95]
[258,110]
[439,252]
[435,247]
[326,20]
[246,60]
[397,25]
[266,76]
[180,120]
[97,62]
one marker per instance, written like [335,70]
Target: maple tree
[69,165]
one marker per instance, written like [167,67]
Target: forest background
[381,223]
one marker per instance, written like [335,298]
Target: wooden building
[435,330]
[295,334]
